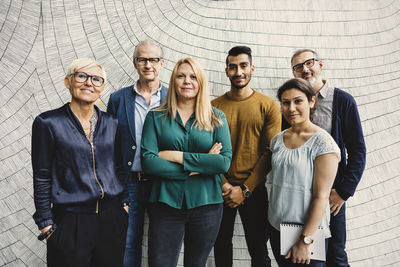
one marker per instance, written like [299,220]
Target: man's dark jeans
[138,197]
[197,227]
[337,255]
[254,216]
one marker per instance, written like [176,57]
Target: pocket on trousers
[118,221]
[65,236]
[126,214]
[55,235]
[52,235]
[125,219]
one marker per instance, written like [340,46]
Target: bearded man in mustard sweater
[254,119]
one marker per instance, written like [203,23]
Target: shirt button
[129,163]
[133,147]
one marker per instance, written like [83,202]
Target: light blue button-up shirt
[141,109]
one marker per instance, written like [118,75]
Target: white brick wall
[359,41]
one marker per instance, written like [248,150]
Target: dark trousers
[337,255]
[254,214]
[88,239]
[197,228]
[282,262]
[139,192]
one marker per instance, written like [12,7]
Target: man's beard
[313,81]
[239,86]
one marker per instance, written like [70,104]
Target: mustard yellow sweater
[253,122]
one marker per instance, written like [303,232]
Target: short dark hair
[237,50]
[303,86]
[300,51]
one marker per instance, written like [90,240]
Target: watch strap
[243,187]
[46,234]
[245,190]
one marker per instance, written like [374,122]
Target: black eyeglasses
[143,60]
[308,63]
[82,77]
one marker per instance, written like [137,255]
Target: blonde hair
[82,63]
[206,119]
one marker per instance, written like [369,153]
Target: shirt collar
[325,90]
[135,89]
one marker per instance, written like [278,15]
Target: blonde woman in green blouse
[185,148]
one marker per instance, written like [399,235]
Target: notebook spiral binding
[298,225]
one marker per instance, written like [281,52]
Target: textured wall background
[359,41]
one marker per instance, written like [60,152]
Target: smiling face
[186,85]
[295,106]
[239,71]
[149,72]
[85,91]
[311,74]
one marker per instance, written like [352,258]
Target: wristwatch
[307,239]
[245,190]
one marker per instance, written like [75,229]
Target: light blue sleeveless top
[292,179]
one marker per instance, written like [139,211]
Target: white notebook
[290,233]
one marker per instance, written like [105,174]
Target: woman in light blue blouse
[186,148]
[304,164]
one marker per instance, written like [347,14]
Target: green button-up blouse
[171,181]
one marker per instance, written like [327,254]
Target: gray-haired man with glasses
[130,105]
[337,113]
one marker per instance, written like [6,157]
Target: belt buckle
[141,177]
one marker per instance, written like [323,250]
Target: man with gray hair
[337,113]
[130,105]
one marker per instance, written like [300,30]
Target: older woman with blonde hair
[186,148]
[81,207]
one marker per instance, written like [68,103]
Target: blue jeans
[337,255]
[138,197]
[253,213]
[275,240]
[197,228]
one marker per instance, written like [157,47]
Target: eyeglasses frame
[300,66]
[87,77]
[145,60]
